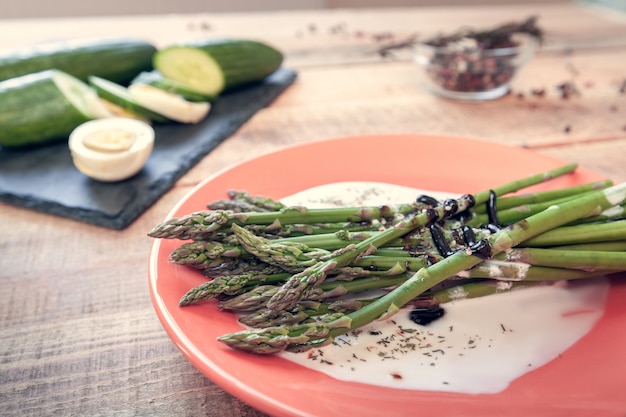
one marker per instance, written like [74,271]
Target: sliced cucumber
[117,111]
[45,107]
[83,97]
[172,106]
[214,66]
[156,79]
[120,96]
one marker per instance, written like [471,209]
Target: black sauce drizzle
[481,248]
[450,208]
[439,239]
[425,316]
[427,200]
[492,209]
[494,224]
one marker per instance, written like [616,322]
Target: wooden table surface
[78,334]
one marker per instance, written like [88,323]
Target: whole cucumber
[117,60]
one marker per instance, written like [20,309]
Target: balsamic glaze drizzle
[492,209]
[470,200]
[469,237]
[450,207]
[492,214]
[482,249]
[439,240]
[427,200]
[425,316]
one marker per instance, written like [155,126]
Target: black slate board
[44,178]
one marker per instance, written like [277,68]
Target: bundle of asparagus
[287,270]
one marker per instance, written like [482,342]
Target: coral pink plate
[589,379]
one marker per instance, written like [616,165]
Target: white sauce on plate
[479,346]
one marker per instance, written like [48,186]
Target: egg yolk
[116,140]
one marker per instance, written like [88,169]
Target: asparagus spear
[288,255]
[618,245]
[504,203]
[585,260]
[229,286]
[204,224]
[304,336]
[466,291]
[514,214]
[241,201]
[614,213]
[584,233]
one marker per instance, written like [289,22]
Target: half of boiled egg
[111,149]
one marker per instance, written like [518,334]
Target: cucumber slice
[172,106]
[156,79]
[45,107]
[117,111]
[214,66]
[192,67]
[84,98]
[119,95]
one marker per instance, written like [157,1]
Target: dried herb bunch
[501,36]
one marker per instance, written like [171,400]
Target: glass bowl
[462,70]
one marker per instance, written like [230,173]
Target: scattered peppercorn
[567,89]
[538,92]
